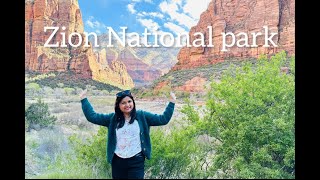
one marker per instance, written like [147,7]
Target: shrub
[38,116]
[93,152]
[32,89]
[174,155]
[69,91]
[58,92]
[48,91]
[251,113]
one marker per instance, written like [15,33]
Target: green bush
[173,155]
[38,116]
[86,159]
[251,114]
[32,89]
[71,80]
[92,153]
[69,91]
[66,166]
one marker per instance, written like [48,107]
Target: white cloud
[174,28]
[172,8]
[148,1]
[92,23]
[131,8]
[142,14]
[178,2]
[195,7]
[168,8]
[149,24]
[151,14]
[156,14]
[184,19]
[178,16]
[95,25]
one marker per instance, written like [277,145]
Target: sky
[173,16]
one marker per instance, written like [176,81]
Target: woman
[128,133]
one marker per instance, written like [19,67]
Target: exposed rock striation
[140,72]
[247,16]
[80,60]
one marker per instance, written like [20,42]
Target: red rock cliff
[42,13]
[248,16]
[81,60]
[140,72]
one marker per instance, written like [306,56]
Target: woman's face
[126,105]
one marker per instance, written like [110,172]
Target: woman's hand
[172,97]
[83,94]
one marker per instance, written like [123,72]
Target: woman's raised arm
[91,115]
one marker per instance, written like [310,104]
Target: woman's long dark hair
[119,114]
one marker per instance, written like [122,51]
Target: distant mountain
[161,58]
[143,64]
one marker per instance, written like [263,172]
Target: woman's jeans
[128,168]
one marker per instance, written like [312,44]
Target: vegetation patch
[68,79]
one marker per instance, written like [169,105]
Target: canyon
[128,67]
[119,67]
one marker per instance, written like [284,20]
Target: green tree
[38,115]
[251,114]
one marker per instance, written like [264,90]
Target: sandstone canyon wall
[143,64]
[248,16]
[81,60]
